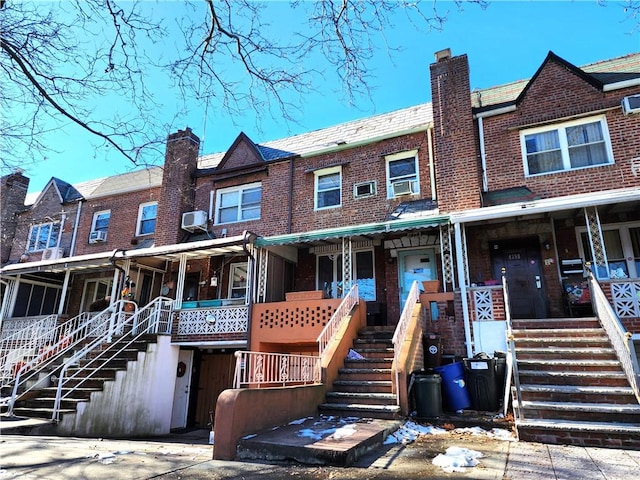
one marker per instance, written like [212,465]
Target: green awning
[354,230]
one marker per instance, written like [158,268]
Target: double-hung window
[571,145]
[101,221]
[147,214]
[238,204]
[328,188]
[402,174]
[43,236]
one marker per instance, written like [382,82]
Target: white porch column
[596,241]
[461,261]
[347,277]
[65,286]
[182,273]
[262,267]
[9,300]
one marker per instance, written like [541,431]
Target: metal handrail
[271,369]
[69,335]
[400,333]
[154,318]
[511,349]
[620,338]
[335,322]
[28,339]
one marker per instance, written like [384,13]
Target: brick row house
[255,249]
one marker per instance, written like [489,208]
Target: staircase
[39,402]
[573,389]
[364,387]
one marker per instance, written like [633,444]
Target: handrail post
[511,346]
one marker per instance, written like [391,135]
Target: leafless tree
[66,62]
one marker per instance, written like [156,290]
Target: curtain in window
[586,145]
[543,152]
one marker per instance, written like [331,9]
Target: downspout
[462,281]
[117,286]
[483,157]
[432,168]
[290,212]
[63,218]
[75,230]
[252,271]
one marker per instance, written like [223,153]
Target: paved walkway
[188,456]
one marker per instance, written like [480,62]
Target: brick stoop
[364,387]
[573,388]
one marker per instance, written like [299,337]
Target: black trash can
[432,350]
[481,381]
[427,396]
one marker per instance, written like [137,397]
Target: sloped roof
[606,72]
[365,130]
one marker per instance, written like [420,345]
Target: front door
[522,261]
[415,265]
[182,389]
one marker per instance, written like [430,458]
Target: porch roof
[203,248]
[549,205]
[354,230]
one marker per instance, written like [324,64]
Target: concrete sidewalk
[188,456]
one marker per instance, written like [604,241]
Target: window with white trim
[238,280]
[402,169]
[572,145]
[238,204]
[101,221]
[43,236]
[147,213]
[327,188]
[622,245]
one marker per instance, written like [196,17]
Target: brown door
[521,258]
[216,375]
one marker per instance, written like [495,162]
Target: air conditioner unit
[366,189]
[98,236]
[192,221]
[402,187]
[631,104]
[52,253]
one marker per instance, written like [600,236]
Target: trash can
[431,350]
[426,394]
[481,378]
[454,387]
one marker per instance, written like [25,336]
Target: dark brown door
[521,258]
[216,375]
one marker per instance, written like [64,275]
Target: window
[36,299]
[328,188]
[237,204]
[402,168]
[43,236]
[330,274]
[95,289]
[101,221]
[578,144]
[622,246]
[147,218]
[238,280]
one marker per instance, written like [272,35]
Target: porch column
[65,286]
[261,287]
[9,299]
[445,255]
[115,287]
[182,272]
[347,278]
[462,263]
[596,241]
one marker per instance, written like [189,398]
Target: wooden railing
[262,369]
[337,319]
[400,332]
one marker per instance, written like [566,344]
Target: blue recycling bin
[454,386]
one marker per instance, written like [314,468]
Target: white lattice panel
[483,305]
[626,298]
[213,320]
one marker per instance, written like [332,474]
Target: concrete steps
[573,389]
[364,387]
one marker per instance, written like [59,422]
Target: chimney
[178,186]
[13,192]
[458,170]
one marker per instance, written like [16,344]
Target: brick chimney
[13,191]
[178,186]
[458,170]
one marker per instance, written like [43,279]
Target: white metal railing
[154,318]
[335,322]
[275,369]
[621,340]
[400,333]
[18,346]
[512,363]
[11,326]
[204,321]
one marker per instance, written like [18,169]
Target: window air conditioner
[631,104]
[366,189]
[402,187]
[192,221]
[98,236]
[52,253]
